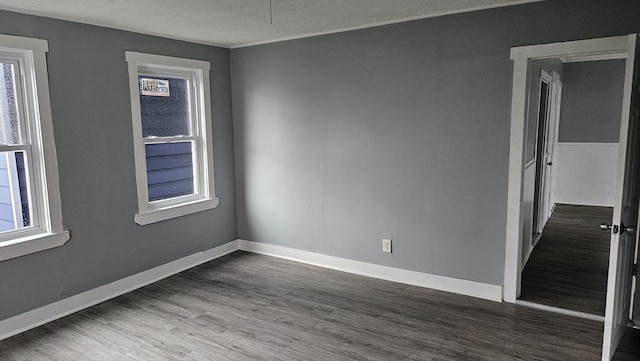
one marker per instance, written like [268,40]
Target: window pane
[14,199]
[164,115]
[9,125]
[169,170]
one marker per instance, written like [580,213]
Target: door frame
[540,216]
[601,48]
[552,143]
[556,93]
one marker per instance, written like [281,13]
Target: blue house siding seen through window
[169,170]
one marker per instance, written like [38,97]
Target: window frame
[46,230]
[203,198]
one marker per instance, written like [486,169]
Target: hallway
[568,267]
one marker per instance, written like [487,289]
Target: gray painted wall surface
[398,131]
[592,102]
[535,69]
[92,123]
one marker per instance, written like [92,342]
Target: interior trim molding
[53,311]
[562,311]
[368,25]
[521,57]
[426,280]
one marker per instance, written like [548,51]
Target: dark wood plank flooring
[568,267]
[251,307]
[629,348]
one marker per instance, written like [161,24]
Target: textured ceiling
[234,23]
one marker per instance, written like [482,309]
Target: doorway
[568,267]
[627,177]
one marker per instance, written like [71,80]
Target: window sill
[157,215]
[31,244]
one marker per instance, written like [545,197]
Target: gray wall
[92,124]
[398,131]
[535,69]
[592,102]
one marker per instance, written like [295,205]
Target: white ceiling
[235,23]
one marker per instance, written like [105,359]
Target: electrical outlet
[386,245]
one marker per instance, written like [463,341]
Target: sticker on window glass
[154,87]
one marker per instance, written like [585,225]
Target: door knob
[623,228]
[550,163]
[608,227]
[628,229]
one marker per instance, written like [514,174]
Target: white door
[635,316]
[542,163]
[625,214]
[550,144]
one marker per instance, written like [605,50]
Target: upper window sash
[18,63]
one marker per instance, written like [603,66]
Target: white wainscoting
[585,173]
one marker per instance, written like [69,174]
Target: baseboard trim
[442,283]
[45,314]
[53,311]
[587,204]
[562,311]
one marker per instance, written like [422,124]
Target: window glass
[164,114]
[169,170]
[14,195]
[9,125]
[23,184]
[14,199]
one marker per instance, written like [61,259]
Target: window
[30,214]
[171,113]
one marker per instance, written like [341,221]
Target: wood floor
[251,307]
[569,265]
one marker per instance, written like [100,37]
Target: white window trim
[204,186]
[49,233]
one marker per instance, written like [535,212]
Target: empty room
[314,180]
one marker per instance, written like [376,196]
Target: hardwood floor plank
[251,307]
[568,268]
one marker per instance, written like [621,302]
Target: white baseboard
[31,319]
[562,311]
[448,284]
